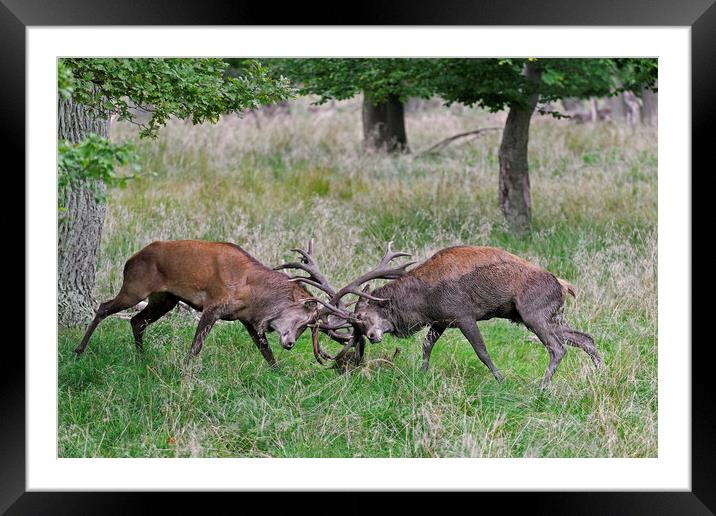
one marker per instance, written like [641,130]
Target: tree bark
[79,227]
[633,108]
[384,125]
[514,190]
[617,107]
[650,112]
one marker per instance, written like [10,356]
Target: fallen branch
[447,141]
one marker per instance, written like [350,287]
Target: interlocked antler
[336,306]
[382,271]
[316,279]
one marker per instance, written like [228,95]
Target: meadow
[270,183]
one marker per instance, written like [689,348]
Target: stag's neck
[406,306]
[271,297]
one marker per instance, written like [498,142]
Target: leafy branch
[91,162]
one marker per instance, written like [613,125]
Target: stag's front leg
[472,333]
[262,343]
[360,350]
[432,336]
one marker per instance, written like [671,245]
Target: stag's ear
[311,304]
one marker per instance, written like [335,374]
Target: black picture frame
[699,15]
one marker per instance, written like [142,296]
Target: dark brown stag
[219,279]
[457,287]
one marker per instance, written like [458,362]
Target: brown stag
[456,287]
[217,278]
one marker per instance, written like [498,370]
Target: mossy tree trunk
[514,186]
[79,227]
[384,125]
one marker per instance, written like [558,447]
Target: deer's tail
[567,288]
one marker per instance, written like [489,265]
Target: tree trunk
[80,227]
[384,125]
[593,110]
[515,197]
[618,108]
[633,108]
[650,111]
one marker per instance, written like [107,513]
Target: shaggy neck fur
[405,308]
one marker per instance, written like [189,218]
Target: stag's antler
[308,264]
[382,271]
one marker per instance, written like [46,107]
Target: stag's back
[453,263]
[197,270]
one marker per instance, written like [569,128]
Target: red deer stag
[458,286]
[219,279]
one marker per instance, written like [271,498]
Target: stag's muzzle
[287,342]
[375,335]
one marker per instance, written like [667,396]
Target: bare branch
[447,141]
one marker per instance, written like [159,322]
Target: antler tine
[381,271]
[391,255]
[309,265]
[307,256]
[366,295]
[292,265]
[309,281]
[343,314]
[339,326]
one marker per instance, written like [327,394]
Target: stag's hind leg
[123,301]
[555,347]
[159,305]
[581,340]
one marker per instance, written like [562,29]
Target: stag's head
[369,318]
[293,320]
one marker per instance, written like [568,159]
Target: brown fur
[218,278]
[455,262]
[207,274]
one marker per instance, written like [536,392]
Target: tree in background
[384,83]
[523,86]
[519,85]
[90,91]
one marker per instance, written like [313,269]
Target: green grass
[304,175]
